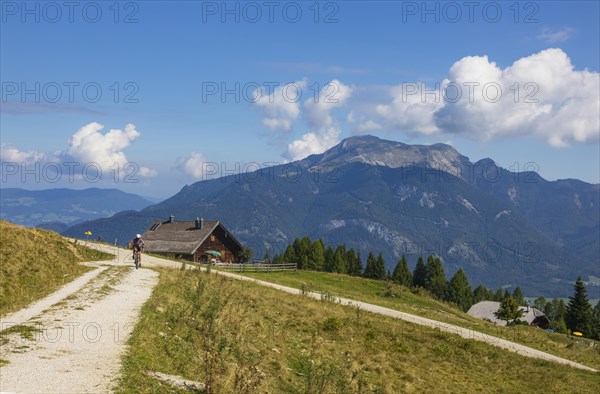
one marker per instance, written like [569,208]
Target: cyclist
[137,245]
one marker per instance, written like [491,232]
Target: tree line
[429,274]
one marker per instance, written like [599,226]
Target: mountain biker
[137,245]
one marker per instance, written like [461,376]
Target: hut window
[212,237]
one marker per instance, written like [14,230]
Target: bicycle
[136,258]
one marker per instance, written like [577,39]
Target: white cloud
[89,145]
[369,125]
[350,118]
[541,94]
[553,37]
[325,130]
[194,165]
[9,154]
[281,107]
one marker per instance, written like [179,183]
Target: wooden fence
[257,267]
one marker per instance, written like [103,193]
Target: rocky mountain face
[503,228]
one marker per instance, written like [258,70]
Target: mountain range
[504,228]
[58,209]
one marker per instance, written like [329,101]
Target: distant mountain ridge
[56,209]
[380,195]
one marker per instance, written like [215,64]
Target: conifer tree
[370,270]
[579,311]
[518,296]
[380,272]
[540,303]
[316,258]
[419,274]
[596,321]
[480,294]
[329,260]
[289,256]
[435,278]
[359,265]
[339,264]
[498,295]
[459,290]
[350,261]
[401,274]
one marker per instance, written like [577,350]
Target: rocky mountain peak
[379,152]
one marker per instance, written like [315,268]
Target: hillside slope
[35,263]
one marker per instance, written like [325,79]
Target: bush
[332,325]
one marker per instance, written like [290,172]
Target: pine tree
[419,274]
[317,255]
[507,294]
[509,310]
[561,315]
[480,294]
[540,303]
[381,271]
[351,260]
[329,260]
[303,253]
[370,270]
[498,295]
[359,266]
[518,296]
[401,274]
[289,256]
[339,260]
[435,278]
[556,311]
[579,311]
[596,321]
[459,290]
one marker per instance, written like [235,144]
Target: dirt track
[79,333]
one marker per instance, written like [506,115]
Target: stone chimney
[199,223]
[171,219]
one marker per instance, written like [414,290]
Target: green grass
[243,337]
[24,331]
[35,262]
[421,303]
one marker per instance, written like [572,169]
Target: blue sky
[359,68]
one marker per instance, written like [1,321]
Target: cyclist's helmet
[138,236]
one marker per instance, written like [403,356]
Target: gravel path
[446,327]
[21,316]
[77,343]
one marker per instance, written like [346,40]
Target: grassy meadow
[241,337]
